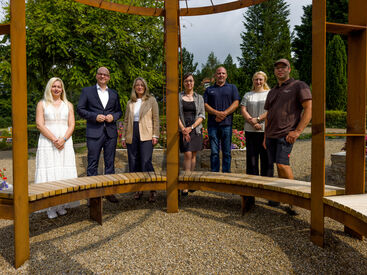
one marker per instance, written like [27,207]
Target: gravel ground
[207,236]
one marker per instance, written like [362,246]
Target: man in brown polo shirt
[285,120]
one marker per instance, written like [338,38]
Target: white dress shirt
[103,95]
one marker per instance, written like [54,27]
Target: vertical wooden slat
[356,106]
[171,24]
[19,116]
[318,120]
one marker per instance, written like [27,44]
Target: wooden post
[20,144]
[356,107]
[171,25]
[96,209]
[318,120]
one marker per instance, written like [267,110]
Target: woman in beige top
[141,130]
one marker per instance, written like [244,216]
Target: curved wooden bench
[44,195]
[350,210]
[283,190]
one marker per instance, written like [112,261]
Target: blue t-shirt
[220,98]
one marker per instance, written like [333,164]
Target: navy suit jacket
[89,106]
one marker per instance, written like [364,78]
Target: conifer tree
[337,12]
[265,39]
[336,75]
[302,46]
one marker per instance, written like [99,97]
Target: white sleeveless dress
[51,163]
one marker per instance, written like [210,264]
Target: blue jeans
[220,136]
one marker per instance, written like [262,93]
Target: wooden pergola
[356,121]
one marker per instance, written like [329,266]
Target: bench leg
[243,205]
[96,209]
[247,202]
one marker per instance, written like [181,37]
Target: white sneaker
[51,213]
[61,210]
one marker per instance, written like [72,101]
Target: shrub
[336,119]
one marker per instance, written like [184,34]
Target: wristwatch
[192,127]
[258,119]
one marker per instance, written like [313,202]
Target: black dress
[196,140]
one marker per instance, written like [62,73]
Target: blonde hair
[265,85]
[146,95]
[47,96]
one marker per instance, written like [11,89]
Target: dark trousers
[95,146]
[254,150]
[139,153]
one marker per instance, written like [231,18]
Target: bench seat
[292,187]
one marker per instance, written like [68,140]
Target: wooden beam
[356,104]
[318,120]
[19,116]
[147,11]
[344,29]
[123,8]
[171,26]
[235,5]
[4,28]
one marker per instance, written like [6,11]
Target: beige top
[148,120]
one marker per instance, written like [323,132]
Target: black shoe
[273,203]
[112,198]
[291,211]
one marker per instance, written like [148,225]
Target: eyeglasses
[105,75]
[281,67]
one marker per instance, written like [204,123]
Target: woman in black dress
[192,114]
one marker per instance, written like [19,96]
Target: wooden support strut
[356,104]
[19,116]
[171,25]
[318,120]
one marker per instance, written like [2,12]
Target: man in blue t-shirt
[221,100]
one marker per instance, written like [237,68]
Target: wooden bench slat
[101,181]
[39,191]
[112,180]
[50,186]
[89,182]
[132,179]
[124,179]
[6,194]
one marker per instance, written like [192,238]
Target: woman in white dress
[55,159]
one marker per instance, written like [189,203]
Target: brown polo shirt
[284,106]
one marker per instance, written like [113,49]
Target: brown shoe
[112,198]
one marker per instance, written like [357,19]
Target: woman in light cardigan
[191,116]
[141,130]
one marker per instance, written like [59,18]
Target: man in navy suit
[100,106]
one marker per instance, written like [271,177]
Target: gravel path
[208,235]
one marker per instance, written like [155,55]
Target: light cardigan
[200,110]
[148,120]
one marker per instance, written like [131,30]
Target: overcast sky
[220,33]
